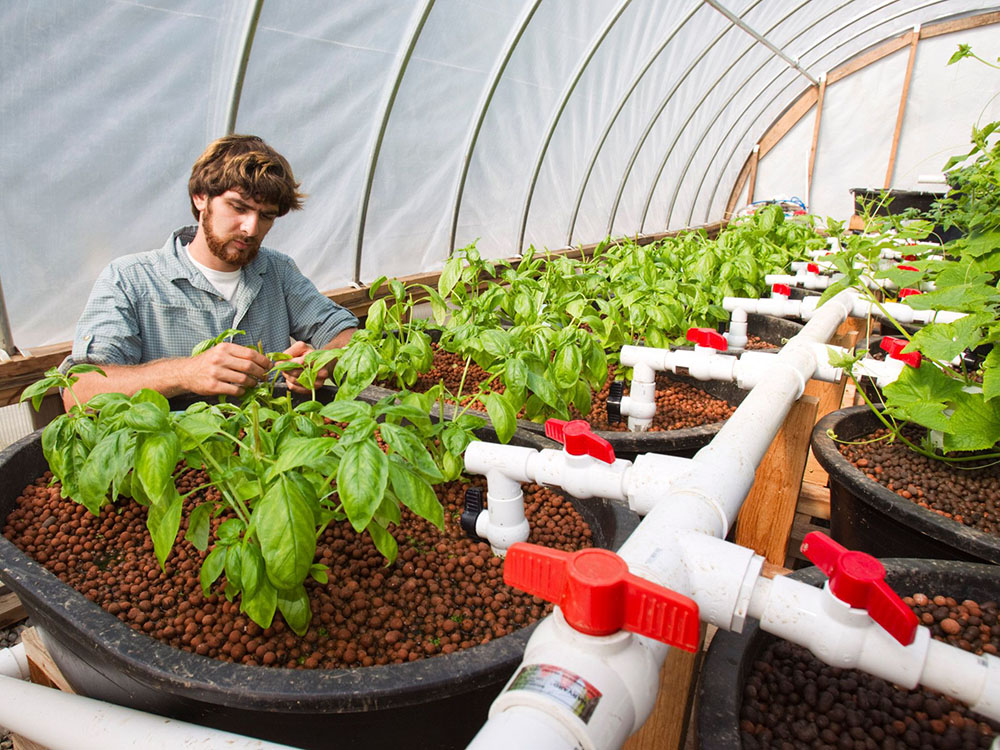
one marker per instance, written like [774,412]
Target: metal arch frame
[761,92]
[652,120]
[695,7]
[242,60]
[484,104]
[714,119]
[694,109]
[773,80]
[754,121]
[564,99]
[402,63]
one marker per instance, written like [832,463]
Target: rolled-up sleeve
[314,317]
[108,329]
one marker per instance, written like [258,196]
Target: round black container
[440,702]
[731,656]
[866,516]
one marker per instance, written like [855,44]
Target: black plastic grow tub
[866,516]
[731,656]
[439,702]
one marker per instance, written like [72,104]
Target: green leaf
[991,374]
[156,457]
[355,370]
[450,275]
[163,522]
[974,426]
[384,542]
[294,606]
[375,320]
[361,481]
[547,392]
[107,460]
[212,568]
[146,417]
[252,567]
[415,493]
[945,341]
[567,367]
[346,411]
[195,428]
[261,606]
[199,525]
[921,395]
[502,415]
[408,446]
[296,452]
[283,522]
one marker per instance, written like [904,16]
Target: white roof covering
[416,126]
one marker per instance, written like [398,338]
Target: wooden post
[815,138]
[904,94]
[667,725]
[765,520]
[754,159]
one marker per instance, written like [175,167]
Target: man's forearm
[164,375]
[341,339]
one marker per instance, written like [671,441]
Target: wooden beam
[801,106]
[815,138]
[754,161]
[765,520]
[904,94]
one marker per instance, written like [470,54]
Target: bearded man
[147,311]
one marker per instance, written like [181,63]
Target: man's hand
[297,351]
[224,370]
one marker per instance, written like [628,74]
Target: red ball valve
[894,348]
[579,440]
[707,337]
[598,596]
[903,293]
[907,268]
[782,289]
[812,267]
[858,579]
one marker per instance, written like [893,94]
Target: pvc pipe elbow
[510,461]
[502,523]
[641,409]
[14,662]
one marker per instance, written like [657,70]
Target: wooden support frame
[815,138]
[801,106]
[904,95]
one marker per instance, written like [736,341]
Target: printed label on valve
[561,685]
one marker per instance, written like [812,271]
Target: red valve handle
[707,337]
[579,440]
[909,257]
[907,268]
[781,289]
[858,579]
[598,596]
[812,268]
[894,348]
[903,293]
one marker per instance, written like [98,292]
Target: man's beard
[221,248]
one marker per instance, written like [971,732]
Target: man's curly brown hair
[247,164]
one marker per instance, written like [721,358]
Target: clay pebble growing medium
[793,700]
[445,592]
[678,405]
[966,494]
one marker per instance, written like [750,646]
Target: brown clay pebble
[793,700]
[443,592]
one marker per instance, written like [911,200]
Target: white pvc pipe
[64,721]
[14,662]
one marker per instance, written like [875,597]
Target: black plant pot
[440,702]
[731,656]
[866,516]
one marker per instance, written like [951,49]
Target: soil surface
[443,593]
[793,700]
[968,495]
[678,405]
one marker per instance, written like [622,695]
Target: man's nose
[250,223]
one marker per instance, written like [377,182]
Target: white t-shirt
[225,281]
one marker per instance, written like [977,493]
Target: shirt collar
[177,265]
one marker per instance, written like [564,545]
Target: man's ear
[200,200]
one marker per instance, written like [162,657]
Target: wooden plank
[788,120]
[959,24]
[22,743]
[667,725]
[815,137]
[11,609]
[765,520]
[814,501]
[754,161]
[904,95]
[40,665]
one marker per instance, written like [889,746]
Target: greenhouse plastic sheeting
[416,126]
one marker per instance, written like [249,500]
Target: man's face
[234,227]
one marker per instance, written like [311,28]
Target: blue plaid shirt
[157,304]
